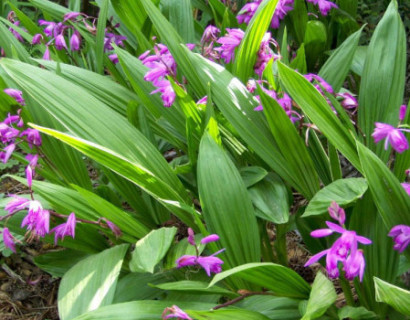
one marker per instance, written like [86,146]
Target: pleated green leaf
[246,55]
[239,314]
[276,278]
[226,205]
[237,105]
[318,110]
[270,198]
[383,79]
[291,145]
[322,296]
[336,68]
[195,287]
[343,191]
[76,110]
[99,44]
[91,283]
[130,170]
[389,196]
[395,296]
[11,45]
[355,313]
[103,88]
[180,16]
[139,310]
[151,249]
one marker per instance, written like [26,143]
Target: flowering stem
[347,291]
[280,244]
[243,296]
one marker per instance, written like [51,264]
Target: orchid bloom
[401,237]
[393,136]
[8,240]
[175,312]
[343,250]
[65,229]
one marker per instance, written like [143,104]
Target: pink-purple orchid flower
[393,136]
[344,250]
[210,264]
[401,237]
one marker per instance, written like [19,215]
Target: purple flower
[114,228]
[37,38]
[15,94]
[354,266]
[175,312]
[191,237]
[392,135]
[60,42]
[348,102]
[265,54]
[29,176]
[229,42]
[167,92]
[210,238]
[17,204]
[50,27]
[15,33]
[402,113]
[343,250]
[46,55]
[75,41]
[71,16]
[322,83]
[8,240]
[185,261]
[33,137]
[210,264]
[401,237]
[203,100]
[114,58]
[210,34]
[337,213]
[5,156]
[110,38]
[324,6]
[65,229]
[282,8]
[247,12]
[406,187]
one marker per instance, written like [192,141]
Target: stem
[267,251]
[243,296]
[347,290]
[280,244]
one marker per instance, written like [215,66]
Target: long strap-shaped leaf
[291,145]
[237,105]
[250,44]
[227,207]
[85,116]
[314,105]
[128,169]
[383,79]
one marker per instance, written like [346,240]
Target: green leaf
[390,197]
[151,249]
[239,314]
[139,310]
[226,205]
[298,20]
[314,105]
[99,46]
[383,78]
[237,105]
[59,262]
[357,313]
[343,191]
[11,45]
[270,198]
[91,283]
[180,16]
[395,296]
[280,280]
[291,145]
[336,68]
[195,287]
[315,41]
[252,175]
[132,171]
[322,296]
[101,87]
[245,57]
